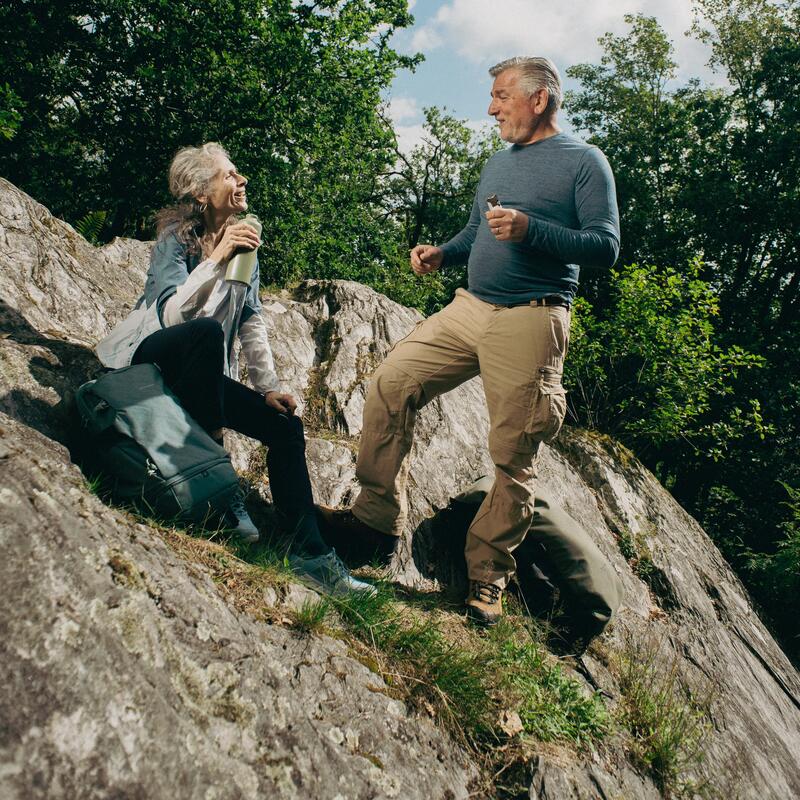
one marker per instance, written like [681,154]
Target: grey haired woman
[178,325]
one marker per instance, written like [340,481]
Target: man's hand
[426,258]
[508,224]
[284,403]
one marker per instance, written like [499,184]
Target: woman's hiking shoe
[357,542]
[328,574]
[237,520]
[484,603]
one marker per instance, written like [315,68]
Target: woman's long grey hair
[190,174]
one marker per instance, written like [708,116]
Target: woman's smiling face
[226,193]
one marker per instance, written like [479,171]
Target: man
[557,210]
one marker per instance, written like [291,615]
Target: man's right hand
[426,258]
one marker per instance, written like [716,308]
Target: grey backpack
[148,451]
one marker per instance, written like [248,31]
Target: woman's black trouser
[191,359]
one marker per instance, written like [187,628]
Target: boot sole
[481,619]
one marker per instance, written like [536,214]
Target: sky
[461,39]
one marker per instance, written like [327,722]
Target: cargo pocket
[548,405]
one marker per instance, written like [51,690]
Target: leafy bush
[10,112]
[647,368]
[777,574]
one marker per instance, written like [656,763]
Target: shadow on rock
[43,374]
[561,577]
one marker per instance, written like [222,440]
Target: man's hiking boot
[328,574]
[357,542]
[484,603]
[237,519]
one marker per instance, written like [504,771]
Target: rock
[60,295]
[119,660]
[125,674]
[558,781]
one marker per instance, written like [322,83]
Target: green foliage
[426,196]
[646,132]
[551,705]
[635,551]
[10,112]
[649,370]
[111,89]
[778,573]
[669,726]
[91,226]
[714,172]
[429,192]
[311,615]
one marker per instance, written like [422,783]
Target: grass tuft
[551,705]
[311,616]
[469,678]
[668,724]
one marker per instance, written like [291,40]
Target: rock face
[118,661]
[126,675]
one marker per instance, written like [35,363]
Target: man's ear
[539,101]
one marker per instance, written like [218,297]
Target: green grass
[635,551]
[668,724]
[311,616]
[469,677]
[551,705]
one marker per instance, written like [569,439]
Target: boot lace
[236,505]
[486,592]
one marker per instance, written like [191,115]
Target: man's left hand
[508,224]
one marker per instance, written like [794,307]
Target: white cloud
[486,33]
[408,136]
[426,38]
[403,109]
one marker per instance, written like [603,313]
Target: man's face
[513,109]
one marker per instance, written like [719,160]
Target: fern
[91,226]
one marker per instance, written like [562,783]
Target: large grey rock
[125,674]
[59,296]
[327,338]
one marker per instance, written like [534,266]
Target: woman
[177,325]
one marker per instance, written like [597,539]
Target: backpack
[148,452]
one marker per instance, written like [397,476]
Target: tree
[111,88]
[714,173]
[646,130]
[426,195]
[647,368]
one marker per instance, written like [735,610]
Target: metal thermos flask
[240,267]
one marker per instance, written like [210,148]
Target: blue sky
[461,39]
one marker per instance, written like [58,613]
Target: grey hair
[535,73]
[190,174]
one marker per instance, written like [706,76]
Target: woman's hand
[232,238]
[283,403]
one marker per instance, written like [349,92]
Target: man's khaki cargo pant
[519,354]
